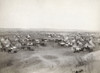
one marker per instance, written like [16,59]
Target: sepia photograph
[49,36]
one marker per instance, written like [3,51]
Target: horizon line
[49,29]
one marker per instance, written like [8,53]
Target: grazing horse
[12,49]
[61,43]
[78,49]
[88,46]
[87,49]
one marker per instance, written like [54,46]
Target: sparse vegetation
[45,57]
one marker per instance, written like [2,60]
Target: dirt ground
[45,60]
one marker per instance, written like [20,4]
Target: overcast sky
[55,14]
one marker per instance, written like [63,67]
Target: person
[79,71]
[1,47]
